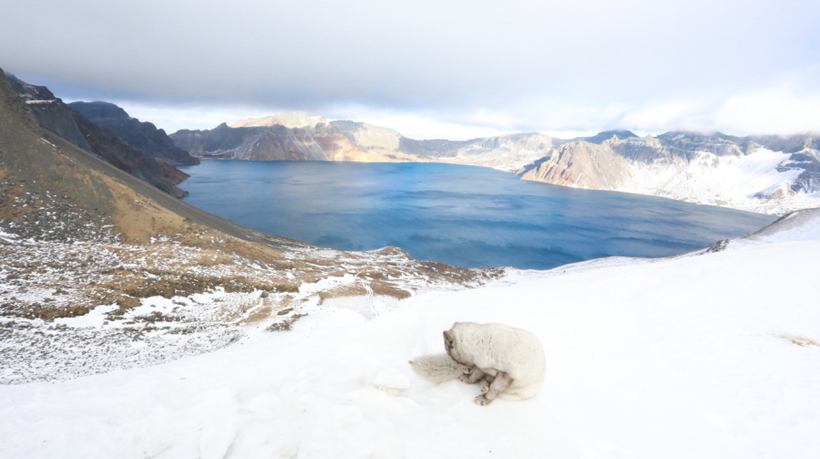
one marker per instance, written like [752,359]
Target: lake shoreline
[468,216]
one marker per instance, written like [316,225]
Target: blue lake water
[461,215]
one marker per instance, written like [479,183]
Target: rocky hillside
[273,143]
[768,174]
[56,117]
[142,135]
[100,270]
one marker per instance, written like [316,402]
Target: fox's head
[452,347]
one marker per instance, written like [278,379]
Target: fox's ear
[448,336]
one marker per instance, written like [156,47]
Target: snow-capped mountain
[762,174]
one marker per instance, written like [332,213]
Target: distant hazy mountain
[57,117]
[606,135]
[296,136]
[771,174]
[289,119]
[143,135]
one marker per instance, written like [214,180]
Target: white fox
[509,362]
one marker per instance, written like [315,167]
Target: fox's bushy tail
[436,368]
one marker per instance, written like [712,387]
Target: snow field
[732,181]
[677,358]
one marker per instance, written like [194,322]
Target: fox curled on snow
[508,362]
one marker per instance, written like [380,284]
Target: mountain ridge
[58,118]
[139,134]
[763,173]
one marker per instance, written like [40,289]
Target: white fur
[508,362]
[437,368]
[513,358]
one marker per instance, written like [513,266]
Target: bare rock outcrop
[139,134]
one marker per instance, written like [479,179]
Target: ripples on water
[461,215]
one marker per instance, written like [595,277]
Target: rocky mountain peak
[603,136]
[99,110]
[288,119]
[29,92]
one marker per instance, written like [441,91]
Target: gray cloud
[538,63]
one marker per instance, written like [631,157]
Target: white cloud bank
[470,67]
[777,110]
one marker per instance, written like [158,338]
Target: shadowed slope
[56,117]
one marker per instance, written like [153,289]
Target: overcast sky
[432,69]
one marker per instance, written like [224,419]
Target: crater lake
[461,215]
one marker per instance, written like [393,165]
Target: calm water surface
[461,215]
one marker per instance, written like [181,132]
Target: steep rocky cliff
[105,144]
[142,135]
[579,164]
[271,143]
[58,118]
[52,114]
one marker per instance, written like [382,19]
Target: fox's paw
[485,386]
[465,379]
[482,400]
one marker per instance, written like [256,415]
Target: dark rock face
[109,147]
[269,143]
[51,112]
[55,116]
[143,135]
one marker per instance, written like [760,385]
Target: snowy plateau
[711,354]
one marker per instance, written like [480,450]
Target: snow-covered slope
[712,356]
[797,226]
[755,182]
[760,174]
